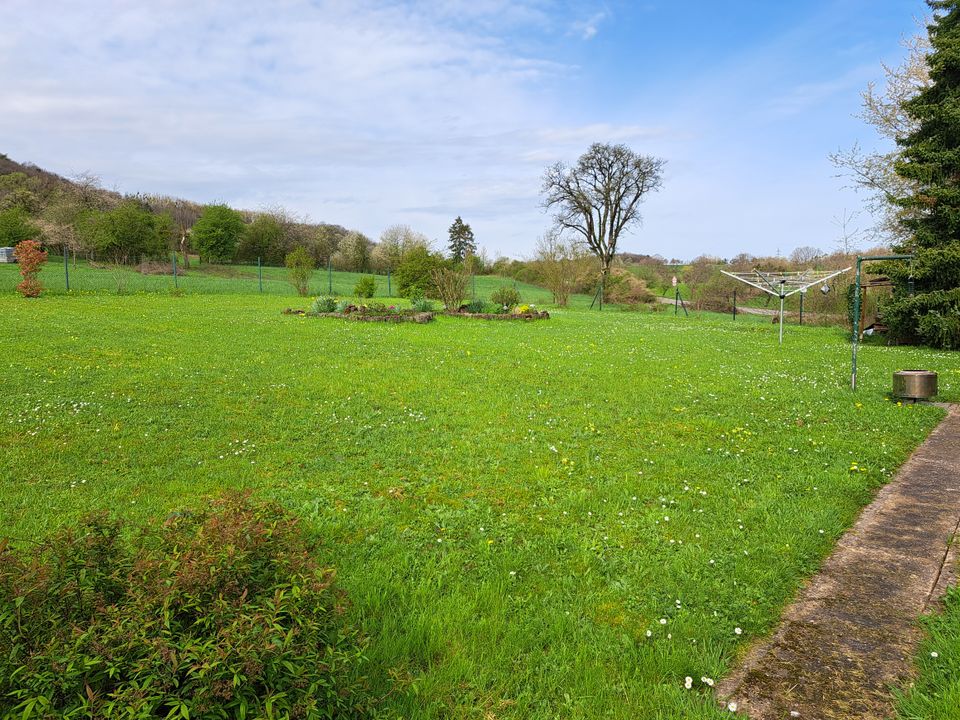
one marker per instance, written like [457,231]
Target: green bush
[413,275]
[477,306]
[222,613]
[505,296]
[365,287]
[324,304]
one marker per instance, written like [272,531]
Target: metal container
[915,384]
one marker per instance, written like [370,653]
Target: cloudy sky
[375,112]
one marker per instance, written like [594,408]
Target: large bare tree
[599,197]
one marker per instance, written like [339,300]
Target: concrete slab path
[852,632]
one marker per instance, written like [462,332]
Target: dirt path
[852,632]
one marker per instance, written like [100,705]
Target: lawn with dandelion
[590,517]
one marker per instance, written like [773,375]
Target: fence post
[66,267]
[389,290]
[330,276]
[176,282]
[801,306]
[734,303]
[260,273]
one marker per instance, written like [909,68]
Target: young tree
[462,241]
[395,242]
[216,233]
[560,265]
[599,198]
[930,162]
[300,266]
[31,258]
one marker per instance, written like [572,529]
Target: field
[532,520]
[235,279]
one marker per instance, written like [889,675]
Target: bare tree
[560,265]
[883,108]
[846,243]
[599,197]
[805,255]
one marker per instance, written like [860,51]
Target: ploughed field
[532,520]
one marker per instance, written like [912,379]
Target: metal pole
[66,267]
[801,307]
[330,276]
[389,290]
[601,293]
[474,291]
[176,283]
[734,303]
[260,273]
[856,326]
[676,301]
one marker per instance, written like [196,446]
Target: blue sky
[377,112]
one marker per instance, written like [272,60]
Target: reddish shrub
[30,258]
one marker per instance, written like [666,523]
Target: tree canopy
[599,198]
[462,241]
[926,306]
[216,232]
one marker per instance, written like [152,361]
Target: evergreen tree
[926,303]
[462,242]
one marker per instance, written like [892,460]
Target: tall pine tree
[462,242]
[926,303]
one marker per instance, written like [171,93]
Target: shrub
[300,266]
[343,306]
[477,306]
[324,305]
[451,286]
[421,304]
[222,613]
[621,286]
[30,258]
[413,275]
[505,296]
[365,287]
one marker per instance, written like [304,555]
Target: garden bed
[397,316]
[529,315]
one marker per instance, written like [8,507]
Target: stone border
[419,318]
[542,315]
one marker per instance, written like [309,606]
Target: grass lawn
[532,520]
[228,279]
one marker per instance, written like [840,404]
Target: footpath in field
[852,632]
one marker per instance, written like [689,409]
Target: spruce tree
[926,303]
[462,242]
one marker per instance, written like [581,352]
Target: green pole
[474,291]
[330,276]
[389,290]
[66,267]
[734,303]
[801,307]
[176,282]
[856,326]
[260,273]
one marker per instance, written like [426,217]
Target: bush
[365,287]
[421,304]
[222,613]
[477,306]
[413,275]
[300,266]
[505,296]
[30,258]
[324,305]
[451,286]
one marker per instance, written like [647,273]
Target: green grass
[532,520]
[240,279]
[935,695]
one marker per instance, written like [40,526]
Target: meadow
[209,279]
[531,520]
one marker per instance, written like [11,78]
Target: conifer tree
[462,242]
[926,303]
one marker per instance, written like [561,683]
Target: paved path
[852,633]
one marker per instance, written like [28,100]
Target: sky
[376,112]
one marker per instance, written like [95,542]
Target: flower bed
[528,315]
[365,313]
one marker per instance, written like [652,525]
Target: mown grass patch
[531,519]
